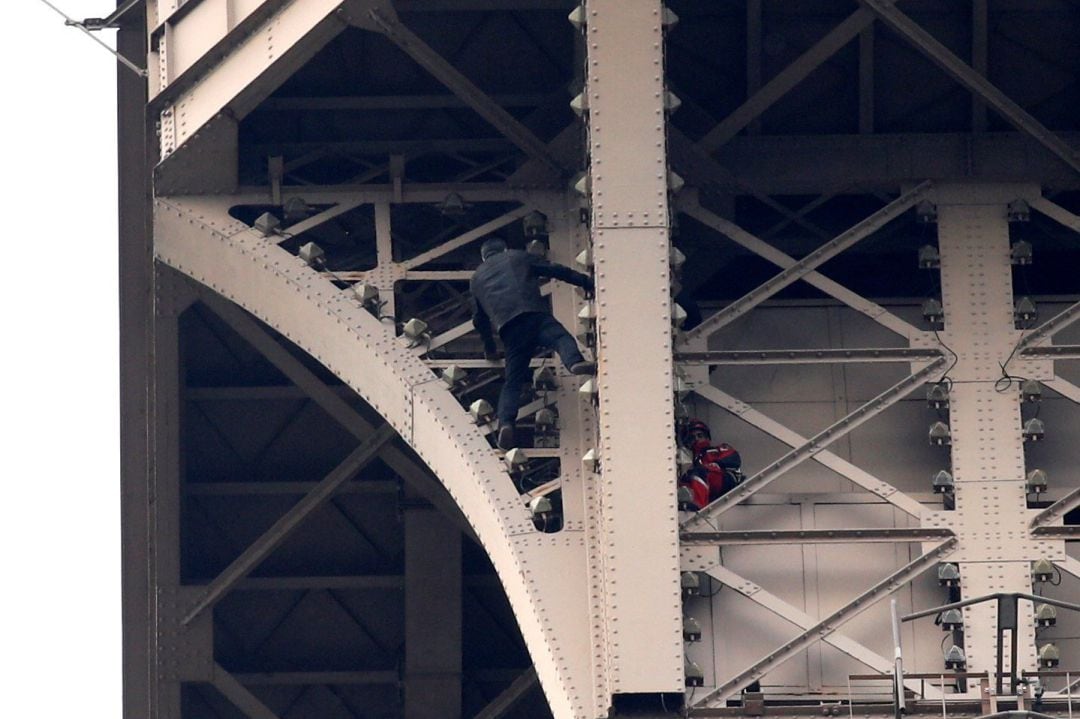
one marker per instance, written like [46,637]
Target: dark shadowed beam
[788,78]
[457,83]
[972,80]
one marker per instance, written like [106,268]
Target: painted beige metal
[991,517]
[544,575]
[629,200]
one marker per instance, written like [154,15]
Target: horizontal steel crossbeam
[826,356]
[1058,509]
[814,536]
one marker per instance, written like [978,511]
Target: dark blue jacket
[507,284]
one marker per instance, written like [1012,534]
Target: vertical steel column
[432,615]
[169,665]
[987,444]
[629,195]
[136,280]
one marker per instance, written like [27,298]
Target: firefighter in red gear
[717,469]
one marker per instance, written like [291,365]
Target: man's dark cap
[492,246]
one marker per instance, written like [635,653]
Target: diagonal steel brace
[812,446]
[812,261]
[829,624]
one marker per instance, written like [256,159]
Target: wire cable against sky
[68,20]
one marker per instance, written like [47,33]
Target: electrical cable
[71,22]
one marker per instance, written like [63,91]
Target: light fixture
[932,311]
[590,461]
[1021,253]
[678,314]
[926,212]
[1031,390]
[1049,656]
[1036,482]
[481,410]
[577,17]
[453,205]
[580,104]
[312,255]
[267,223]
[415,329]
[940,436]
[929,257]
[1034,430]
[937,395]
[676,258]
[1042,570]
[581,184]
[295,210]
[367,294]
[540,507]
[690,583]
[1025,311]
[668,18]
[454,375]
[671,101]
[948,574]
[955,659]
[943,482]
[952,620]
[694,676]
[1045,615]
[516,458]
[691,629]
[1019,211]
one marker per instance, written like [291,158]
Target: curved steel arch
[544,576]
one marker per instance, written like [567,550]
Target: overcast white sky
[59,458]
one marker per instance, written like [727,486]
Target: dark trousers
[521,336]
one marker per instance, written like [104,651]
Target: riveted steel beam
[258,550]
[1056,323]
[829,624]
[1057,510]
[465,238]
[628,172]
[813,536]
[1062,352]
[830,356]
[814,445]
[972,80]
[763,249]
[544,576]
[859,477]
[811,262]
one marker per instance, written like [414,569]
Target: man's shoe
[505,439]
[583,367]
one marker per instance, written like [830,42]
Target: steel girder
[544,575]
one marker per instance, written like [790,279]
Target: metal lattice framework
[397,134]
